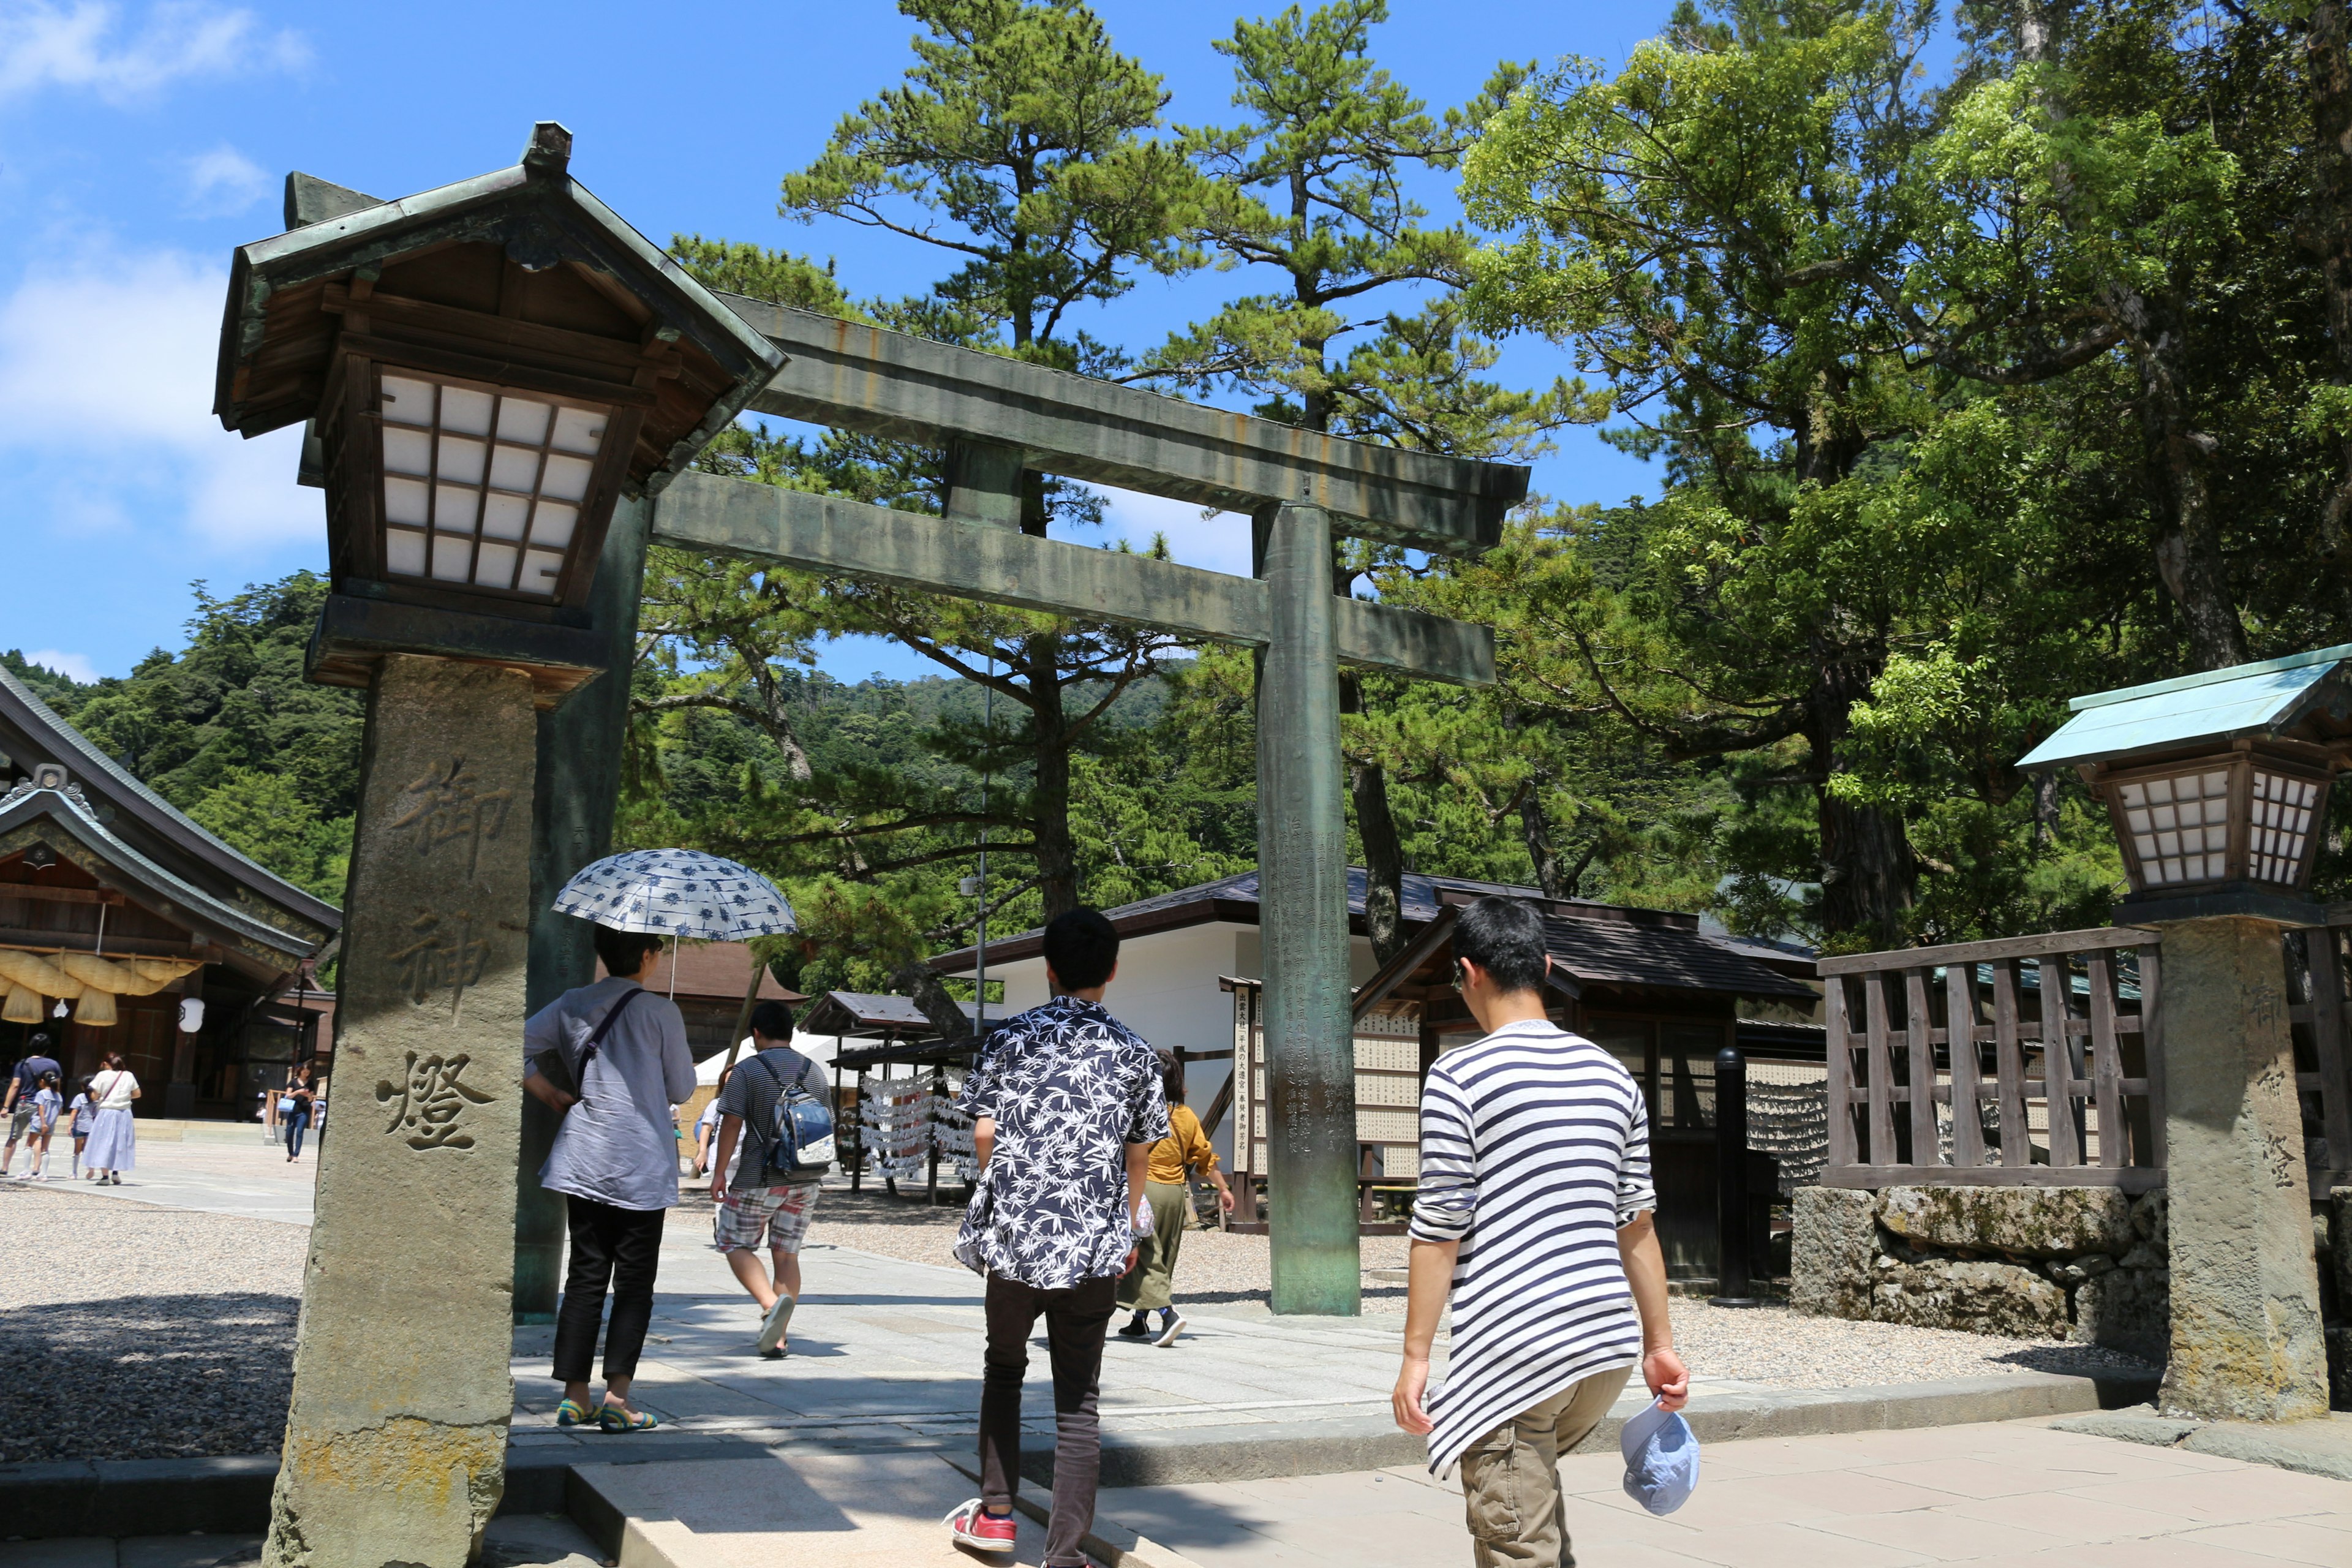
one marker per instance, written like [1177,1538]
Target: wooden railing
[1959,1028]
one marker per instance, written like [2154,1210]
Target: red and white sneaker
[973,1525]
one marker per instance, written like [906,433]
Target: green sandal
[571,1413]
[613,1420]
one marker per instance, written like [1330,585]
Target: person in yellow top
[1185,1150]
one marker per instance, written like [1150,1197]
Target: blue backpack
[800,1139]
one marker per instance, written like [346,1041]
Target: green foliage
[1022,128]
[228,731]
[266,816]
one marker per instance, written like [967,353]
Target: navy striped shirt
[1534,1148]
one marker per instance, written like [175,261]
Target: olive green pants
[1145,1287]
[1510,1477]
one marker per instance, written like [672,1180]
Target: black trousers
[1074,1321]
[621,1247]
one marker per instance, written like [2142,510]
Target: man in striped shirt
[1534,1213]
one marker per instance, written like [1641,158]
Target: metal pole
[1303,927]
[1731,1179]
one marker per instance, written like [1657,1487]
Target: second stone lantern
[487,370]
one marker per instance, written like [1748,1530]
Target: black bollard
[1731,1179]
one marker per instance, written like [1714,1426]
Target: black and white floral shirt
[1069,1087]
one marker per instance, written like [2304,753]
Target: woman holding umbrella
[612,1058]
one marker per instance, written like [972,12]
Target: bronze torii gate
[997,417]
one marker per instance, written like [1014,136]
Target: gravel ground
[156,1333]
[1769,1345]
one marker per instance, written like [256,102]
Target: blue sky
[140,143]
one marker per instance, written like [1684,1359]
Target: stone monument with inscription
[398,1431]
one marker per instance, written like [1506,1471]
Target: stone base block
[1834,1236]
[2127,1309]
[2017,1222]
[1975,1298]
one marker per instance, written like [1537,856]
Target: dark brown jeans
[1074,1321]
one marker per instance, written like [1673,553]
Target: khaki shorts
[777,1217]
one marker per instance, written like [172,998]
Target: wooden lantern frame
[2239,761]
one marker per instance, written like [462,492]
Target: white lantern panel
[523,421]
[408,451]
[540,570]
[499,476]
[461,459]
[566,478]
[2280,811]
[465,411]
[453,557]
[515,469]
[2179,827]
[554,523]
[454,506]
[505,516]
[404,500]
[494,565]
[404,552]
[407,401]
[580,430]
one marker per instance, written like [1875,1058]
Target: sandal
[616,1420]
[571,1413]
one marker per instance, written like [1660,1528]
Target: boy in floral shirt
[1066,1105]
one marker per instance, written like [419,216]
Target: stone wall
[2082,1263]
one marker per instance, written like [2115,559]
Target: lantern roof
[2293,697]
[605,279]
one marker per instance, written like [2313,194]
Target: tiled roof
[1625,953]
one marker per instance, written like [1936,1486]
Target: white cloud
[1219,543]
[106,395]
[72,666]
[89,46]
[224,183]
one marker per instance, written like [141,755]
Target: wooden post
[2009,1065]
[1960,1045]
[2057,1063]
[1927,1147]
[1839,1037]
[2106,1070]
[1881,1087]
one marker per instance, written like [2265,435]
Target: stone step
[845,1510]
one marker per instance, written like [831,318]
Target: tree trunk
[1535,830]
[1057,854]
[1868,875]
[2175,459]
[1368,787]
[2328,89]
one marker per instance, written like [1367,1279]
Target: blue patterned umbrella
[679,893]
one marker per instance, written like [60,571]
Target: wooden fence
[2063,1095]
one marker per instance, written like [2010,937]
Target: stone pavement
[229,1171]
[2013,1493]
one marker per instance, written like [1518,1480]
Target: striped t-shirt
[1534,1148]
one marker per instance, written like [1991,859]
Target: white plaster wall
[1167,991]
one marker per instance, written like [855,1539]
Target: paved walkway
[224,1172]
[2013,1493]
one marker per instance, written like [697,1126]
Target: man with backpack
[769,1193]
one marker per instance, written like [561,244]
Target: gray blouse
[619,1144]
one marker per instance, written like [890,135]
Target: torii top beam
[881,383]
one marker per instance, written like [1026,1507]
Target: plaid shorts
[780,1214]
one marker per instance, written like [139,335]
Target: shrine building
[125,927]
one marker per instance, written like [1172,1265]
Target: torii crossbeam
[999,417]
